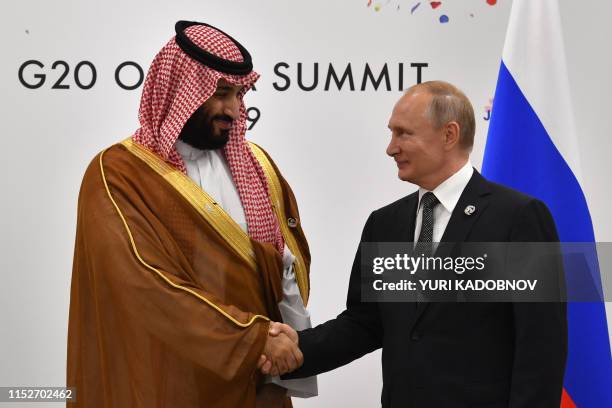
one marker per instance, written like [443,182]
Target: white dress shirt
[209,170]
[448,193]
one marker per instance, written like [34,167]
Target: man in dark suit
[447,354]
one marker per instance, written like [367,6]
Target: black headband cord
[210,60]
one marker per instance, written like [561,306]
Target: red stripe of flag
[566,400]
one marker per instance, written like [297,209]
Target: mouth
[223,124]
[401,164]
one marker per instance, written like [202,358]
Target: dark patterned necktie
[424,244]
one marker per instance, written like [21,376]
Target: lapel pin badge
[469,210]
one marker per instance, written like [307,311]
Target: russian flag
[531,146]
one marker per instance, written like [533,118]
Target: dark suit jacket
[453,355]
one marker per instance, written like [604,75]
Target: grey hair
[449,104]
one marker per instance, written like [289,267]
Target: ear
[451,135]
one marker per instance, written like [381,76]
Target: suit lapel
[460,223]
[407,232]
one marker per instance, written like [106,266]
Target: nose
[231,107]
[392,148]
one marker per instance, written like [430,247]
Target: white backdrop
[329,144]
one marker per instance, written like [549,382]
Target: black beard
[201,134]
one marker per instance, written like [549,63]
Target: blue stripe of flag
[520,154]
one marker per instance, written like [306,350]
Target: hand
[270,395]
[276,328]
[281,353]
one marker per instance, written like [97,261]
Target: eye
[222,92]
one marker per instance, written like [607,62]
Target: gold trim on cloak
[205,205]
[208,208]
[222,222]
[276,196]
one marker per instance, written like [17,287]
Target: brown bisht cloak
[170,299]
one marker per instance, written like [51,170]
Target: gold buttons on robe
[292,222]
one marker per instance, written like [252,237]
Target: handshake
[281,353]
